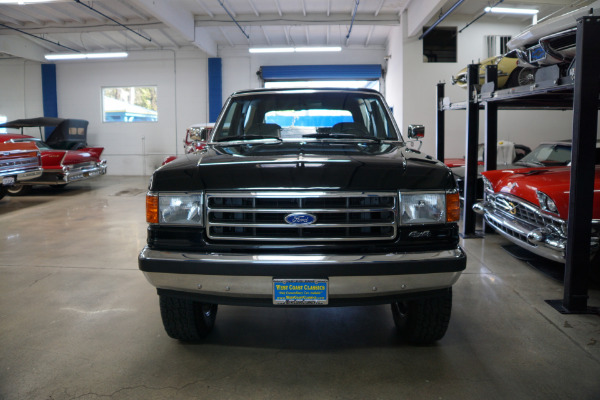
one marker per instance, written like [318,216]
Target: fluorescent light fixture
[505,10]
[307,49]
[292,49]
[83,56]
[22,2]
[107,55]
[271,50]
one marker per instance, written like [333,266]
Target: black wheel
[423,321]
[3,191]
[187,320]
[19,190]
[521,77]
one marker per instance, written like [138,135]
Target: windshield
[293,116]
[40,145]
[548,155]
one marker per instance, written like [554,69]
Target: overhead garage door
[329,72]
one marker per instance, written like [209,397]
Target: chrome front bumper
[350,276]
[536,239]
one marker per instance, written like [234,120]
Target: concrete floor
[79,321]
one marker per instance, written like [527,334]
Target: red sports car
[529,207]
[59,167]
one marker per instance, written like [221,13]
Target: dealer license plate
[300,291]
[8,180]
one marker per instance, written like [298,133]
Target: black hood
[326,165]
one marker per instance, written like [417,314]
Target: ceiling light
[22,2]
[505,10]
[82,56]
[305,49]
[271,50]
[292,49]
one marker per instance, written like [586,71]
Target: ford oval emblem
[300,219]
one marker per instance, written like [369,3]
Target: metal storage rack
[580,92]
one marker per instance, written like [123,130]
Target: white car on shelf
[552,41]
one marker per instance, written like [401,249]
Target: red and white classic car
[196,138]
[19,162]
[530,206]
[59,167]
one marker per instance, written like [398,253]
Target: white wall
[418,88]
[137,148]
[21,89]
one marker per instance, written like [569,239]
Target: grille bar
[338,216]
[527,213]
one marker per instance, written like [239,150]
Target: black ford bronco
[304,197]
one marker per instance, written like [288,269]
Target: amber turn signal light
[152,209]
[452,207]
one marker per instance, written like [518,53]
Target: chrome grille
[527,213]
[338,216]
[15,164]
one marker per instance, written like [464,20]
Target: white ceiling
[206,24]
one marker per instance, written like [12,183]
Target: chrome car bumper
[18,176]
[538,240]
[246,276]
[64,176]
[79,174]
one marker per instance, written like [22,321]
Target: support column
[49,96]
[215,88]
[585,123]
[472,140]
[440,123]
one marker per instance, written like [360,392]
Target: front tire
[19,190]
[423,321]
[187,320]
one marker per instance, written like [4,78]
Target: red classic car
[196,138]
[59,167]
[19,162]
[529,207]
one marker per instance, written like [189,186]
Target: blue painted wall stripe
[215,88]
[49,96]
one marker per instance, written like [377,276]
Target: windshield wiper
[247,137]
[529,163]
[334,135]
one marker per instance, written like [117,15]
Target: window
[496,44]
[129,104]
[440,45]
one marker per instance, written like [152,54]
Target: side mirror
[416,132]
[195,134]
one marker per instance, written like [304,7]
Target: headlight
[422,208]
[546,203]
[174,209]
[487,185]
